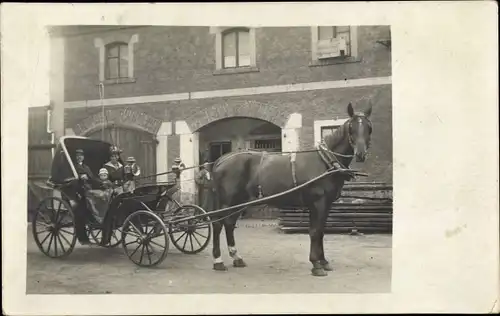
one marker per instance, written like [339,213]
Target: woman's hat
[130,159]
[103,171]
[114,150]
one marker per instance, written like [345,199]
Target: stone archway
[264,111]
[132,131]
[123,117]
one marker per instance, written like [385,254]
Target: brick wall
[182,59]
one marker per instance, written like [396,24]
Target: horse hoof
[326,266]
[239,263]
[319,272]
[220,266]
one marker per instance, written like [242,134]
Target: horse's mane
[332,140]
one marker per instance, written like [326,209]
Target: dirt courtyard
[277,263]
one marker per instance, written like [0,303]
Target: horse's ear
[350,110]
[368,111]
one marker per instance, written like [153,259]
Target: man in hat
[131,170]
[86,175]
[204,181]
[83,171]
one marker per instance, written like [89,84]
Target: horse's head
[360,130]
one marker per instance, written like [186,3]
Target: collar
[117,166]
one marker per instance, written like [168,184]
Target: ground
[277,263]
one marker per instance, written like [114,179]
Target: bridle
[329,157]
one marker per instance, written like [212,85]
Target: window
[272,145]
[328,130]
[236,48]
[116,61]
[334,44]
[326,127]
[116,57]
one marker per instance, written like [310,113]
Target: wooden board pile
[363,208]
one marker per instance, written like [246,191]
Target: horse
[240,177]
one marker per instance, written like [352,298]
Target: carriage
[146,220]
[143,221]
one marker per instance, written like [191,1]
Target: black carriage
[143,221]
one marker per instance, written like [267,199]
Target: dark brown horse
[244,176]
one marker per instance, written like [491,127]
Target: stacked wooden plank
[362,208]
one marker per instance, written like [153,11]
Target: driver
[83,171]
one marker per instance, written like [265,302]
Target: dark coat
[114,173]
[206,190]
[82,169]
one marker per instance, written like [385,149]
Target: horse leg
[324,262]
[317,218]
[218,262]
[229,225]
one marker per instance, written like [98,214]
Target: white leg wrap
[233,252]
[218,260]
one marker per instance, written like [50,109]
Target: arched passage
[237,133]
[238,108]
[134,142]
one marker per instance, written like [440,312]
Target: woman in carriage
[115,168]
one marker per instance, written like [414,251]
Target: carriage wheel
[53,228]
[144,238]
[95,236]
[191,236]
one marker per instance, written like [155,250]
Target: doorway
[218,149]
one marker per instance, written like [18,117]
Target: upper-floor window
[334,43]
[236,48]
[117,60]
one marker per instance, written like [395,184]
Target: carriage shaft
[267,198]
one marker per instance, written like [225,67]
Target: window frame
[320,124]
[353,55]
[219,48]
[120,46]
[102,43]
[237,32]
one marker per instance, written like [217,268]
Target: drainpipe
[49,128]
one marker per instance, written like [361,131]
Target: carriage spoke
[185,241]
[65,239]
[43,241]
[43,231]
[47,220]
[134,234]
[139,233]
[157,244]
[142,253]
[50,242]
[147,252]
[55,243]
[60,242]
[191,241]
[184,234]
[67,232]
[135,250]
[200,234]
[197,241]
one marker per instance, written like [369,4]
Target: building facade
[198,92]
